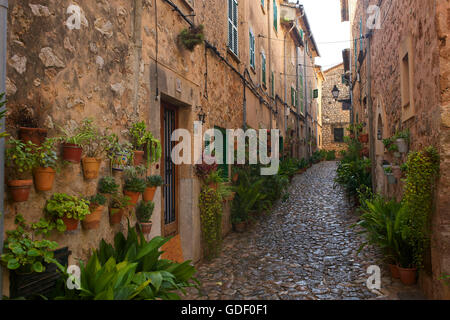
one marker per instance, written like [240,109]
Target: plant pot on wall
[91,167]
[393,268]
[71,224]
[408,276]
[44,178]
[92,221]
[20,189]
[72,152]
[133,195]
[402,145]
[35,135]
[149,194]
[397,172]
[364,138]
[138,158]
[115,215]
[391,178]
[145,227]
[240,227]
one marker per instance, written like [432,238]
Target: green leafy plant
[45,155]
[76,135]
[388,170]
[210,204]
[143,138]
[154,181]
[331,155]
[248,193]
[24,254]
[214,177]
[144,211]
[62,205]
[192,37]
[423,169]
[108,185]
[131,269]
[97,200]
[133,179]
[20,157]
[114,150]
[95,143]
[120,201]
[2,114]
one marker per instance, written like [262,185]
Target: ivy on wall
[423,169]
[210,204]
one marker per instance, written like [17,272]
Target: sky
[324,18]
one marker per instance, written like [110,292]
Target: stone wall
[333,116]
[426,23]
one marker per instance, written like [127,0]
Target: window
[316,93]
[252,49]
[338,135]
[263,69]
[301,91]
[233,26]
[275,15]
[361,44]
[407,78]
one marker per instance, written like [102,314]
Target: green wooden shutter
[252,48]
[263,69]
[301,92]
[316,93]
[292,96]
[275,15]
[272,79]
[224,168]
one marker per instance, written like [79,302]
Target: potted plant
[402,141]
[93,148]
[72,141]
[192,37]
[46,163]
[144,212]
[134,184]
[206,168]
[390,175]
[118,153]
[397,172]
[214,179]
[66,211]
[144,143]
[20,159]
[108,185]
[23,254]
[364,138]
[30,120]
[152,182]
[117,206]
[97,205]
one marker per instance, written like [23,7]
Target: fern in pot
[144,212]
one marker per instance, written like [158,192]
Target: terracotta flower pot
[72,152]
[91,167]
[44,178]
[35,135]
[240,227]
[394,271]
[364,138]
[71,224]
[146,227]
[408,276]
[133,195]
[149,194]
[92,221]
[115,215]
[213,185]
[139,157]
[20,189]
[402,145]
[235,177]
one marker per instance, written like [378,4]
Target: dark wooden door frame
[173,228]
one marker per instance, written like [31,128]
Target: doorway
[169,171]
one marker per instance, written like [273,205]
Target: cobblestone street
[304,250]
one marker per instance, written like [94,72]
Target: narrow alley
[306,249]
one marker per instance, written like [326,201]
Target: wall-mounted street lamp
[379,135]
[202,116]
[335,92]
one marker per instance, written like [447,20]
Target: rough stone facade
[420,29]
[333,115]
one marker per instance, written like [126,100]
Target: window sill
[233,55]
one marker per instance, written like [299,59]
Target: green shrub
[108,185]
[144,211]
[210,204]
[154,181]
[62,205]
[98,200]
[135,184]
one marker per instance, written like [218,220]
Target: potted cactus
[152,182]
[97,205]
[20,161]
[144,212]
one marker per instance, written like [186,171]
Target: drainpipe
[3,36]
[285,74]
[370,105]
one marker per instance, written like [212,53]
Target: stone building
[121,61]
[335,114]
[400,80]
